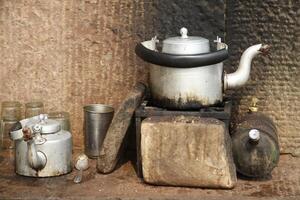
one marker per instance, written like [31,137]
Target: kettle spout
[36,159]
[241,75]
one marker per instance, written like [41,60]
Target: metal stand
[222,112]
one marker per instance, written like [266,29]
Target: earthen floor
[124,184]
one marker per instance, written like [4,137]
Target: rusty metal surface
[187,103]
[124,184]
[221,111]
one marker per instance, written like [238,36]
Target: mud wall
[71,53]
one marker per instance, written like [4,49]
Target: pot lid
[185,45]
[46,125]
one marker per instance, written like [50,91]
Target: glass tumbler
[63,118]
[11,111]
[10,114]
[33,109]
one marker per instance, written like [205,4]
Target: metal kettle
[43,149]
[186,74]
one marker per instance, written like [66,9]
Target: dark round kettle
[255,145]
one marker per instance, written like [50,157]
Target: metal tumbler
[97,118]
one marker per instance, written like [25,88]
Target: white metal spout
[241,75]
[36,159]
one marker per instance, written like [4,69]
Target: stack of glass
[10,114]
[34,108]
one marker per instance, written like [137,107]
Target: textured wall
[275,79]
[71,53]
[203,18]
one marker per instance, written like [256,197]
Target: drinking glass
[33,108]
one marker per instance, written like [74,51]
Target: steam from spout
[241,75]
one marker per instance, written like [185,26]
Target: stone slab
[113,144]
[187,151]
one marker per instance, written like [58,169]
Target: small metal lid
[48,125]
[184,44]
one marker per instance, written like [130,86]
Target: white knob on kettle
[43,117]
[184,32]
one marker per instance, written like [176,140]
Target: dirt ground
[124,184]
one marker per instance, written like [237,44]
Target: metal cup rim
[98,108]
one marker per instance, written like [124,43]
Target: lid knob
[43,118]
[254,135]
[184,32]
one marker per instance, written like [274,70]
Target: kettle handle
[16,132]
[180,61]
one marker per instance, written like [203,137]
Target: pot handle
[180,61]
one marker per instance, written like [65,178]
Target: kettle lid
[48,126]
[184,44]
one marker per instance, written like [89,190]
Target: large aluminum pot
[187,75]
